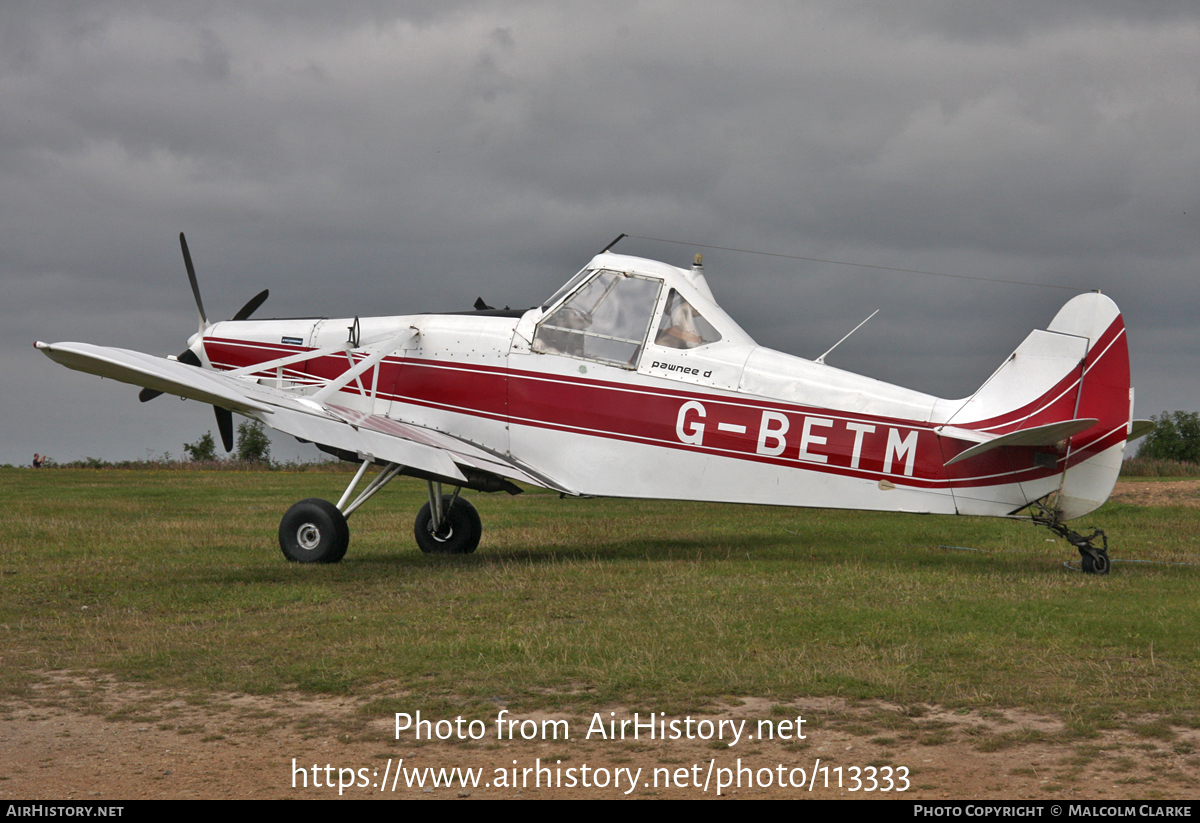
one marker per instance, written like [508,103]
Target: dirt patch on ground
[1158,492]
[96,739]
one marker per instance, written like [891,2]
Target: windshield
[606,320]
[572,283]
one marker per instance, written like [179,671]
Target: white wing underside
[312,418]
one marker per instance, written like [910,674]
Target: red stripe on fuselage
[728,424]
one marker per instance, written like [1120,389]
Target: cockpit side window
[606,320]
[682,326]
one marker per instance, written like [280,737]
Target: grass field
[175,579]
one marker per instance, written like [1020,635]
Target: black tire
[462,533]
[1095,565]
[314,531]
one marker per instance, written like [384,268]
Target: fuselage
[632,382]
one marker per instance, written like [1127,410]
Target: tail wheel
[1093,549]
[460,529]
[1097,563]
[314,531]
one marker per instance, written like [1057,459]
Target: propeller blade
[257,300]
[187,261]
[225,426]
[188,356]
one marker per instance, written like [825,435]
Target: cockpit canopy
[606,319]
[682,326]
[608,315]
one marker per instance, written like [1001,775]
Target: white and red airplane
[630,381]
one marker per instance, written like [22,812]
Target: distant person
[38,460]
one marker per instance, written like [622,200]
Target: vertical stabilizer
[1094,457]
[1074,373]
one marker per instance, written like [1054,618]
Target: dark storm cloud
[1015,21]
[388,158]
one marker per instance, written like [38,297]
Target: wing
[313,418]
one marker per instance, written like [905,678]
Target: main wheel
[314,531]
[459,534]
[1095,565]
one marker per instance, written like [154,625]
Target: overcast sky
[404,157]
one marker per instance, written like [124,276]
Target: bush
[1177,437]
[1149,467]
[253,445]
[203,450]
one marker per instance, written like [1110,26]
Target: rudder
[1094,456]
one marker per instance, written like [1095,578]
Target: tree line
[1176,437]
[252,445]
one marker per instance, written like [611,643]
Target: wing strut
[353,373]
[378,482]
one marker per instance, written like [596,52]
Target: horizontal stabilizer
[1140,428]
[1046,435]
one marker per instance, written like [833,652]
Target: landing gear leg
[447,524]
[1093,558]
[315,530]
